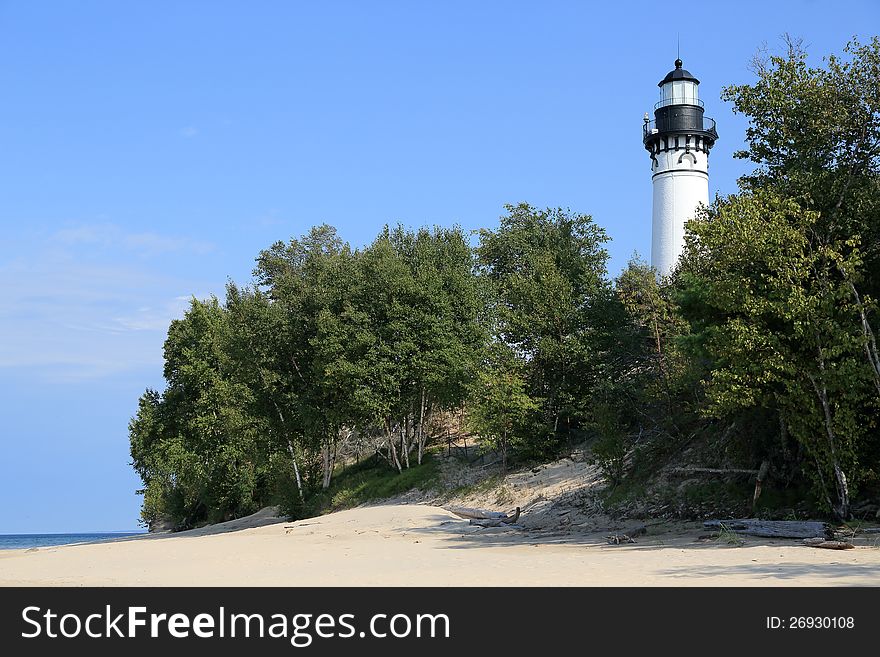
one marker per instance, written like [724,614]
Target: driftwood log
[496,522]
[774,528]
[828,545]
[865,530]
[480,514]
[760,475]
[617,539]
[713,471]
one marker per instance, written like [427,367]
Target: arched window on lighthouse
[688,158]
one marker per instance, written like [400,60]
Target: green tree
[656,373]
[418,308]
[780,283]
[552,305]
[815,135]
[195,446]
[444,318]
[501,410]
[258,341]
[780,325]
[307,281]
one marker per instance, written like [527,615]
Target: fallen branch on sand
[464,512]
[828,545]
[617,539]
[497,521]
[712,471]
[774,528]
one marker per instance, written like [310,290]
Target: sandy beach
[423,545]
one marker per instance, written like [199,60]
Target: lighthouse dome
[678,73]
[679,87]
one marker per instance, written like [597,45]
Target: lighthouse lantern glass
[679,92]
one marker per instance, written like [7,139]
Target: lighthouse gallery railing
[650,127]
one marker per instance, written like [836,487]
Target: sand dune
[414,545]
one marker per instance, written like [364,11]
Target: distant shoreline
[53,539]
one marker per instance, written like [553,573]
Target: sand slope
[426,545]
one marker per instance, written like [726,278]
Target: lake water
[25,541]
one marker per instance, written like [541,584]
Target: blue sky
[149,150]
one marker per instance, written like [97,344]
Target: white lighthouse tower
[678,140]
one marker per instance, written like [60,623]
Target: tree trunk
[421,426]
[299,485]
[281,418]
[404,439]
[759,482]
[391,448]
[841,510]
[870,341]
[328,462]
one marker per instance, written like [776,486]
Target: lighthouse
[678,140]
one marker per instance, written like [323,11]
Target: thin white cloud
[154,243]
[109,235]
[103,234]
[270,218]
[73,370]
[77,306]
[148,318]
[189,132]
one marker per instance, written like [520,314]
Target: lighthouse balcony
[677,100]
[696,124]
